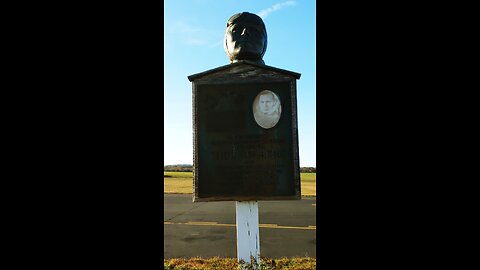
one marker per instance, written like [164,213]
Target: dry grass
[182,182]
[308,184]
[178,182]
[197,263]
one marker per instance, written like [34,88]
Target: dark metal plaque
[238,153]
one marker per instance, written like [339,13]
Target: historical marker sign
[245,133]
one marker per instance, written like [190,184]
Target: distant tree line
[189,168]
[178,168]
[308,169]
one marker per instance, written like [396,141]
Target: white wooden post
[248,236]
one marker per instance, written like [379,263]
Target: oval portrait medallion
[266,109]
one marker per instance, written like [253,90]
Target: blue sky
[194,31]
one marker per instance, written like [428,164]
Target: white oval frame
[263,120]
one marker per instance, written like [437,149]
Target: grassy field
[182,182]
[231,263]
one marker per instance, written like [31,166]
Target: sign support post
[248,236]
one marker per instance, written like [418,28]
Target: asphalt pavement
[207,229]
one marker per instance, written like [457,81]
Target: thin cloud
[186,33]
[264,13]
[216,44]
[195,41]
[182,27]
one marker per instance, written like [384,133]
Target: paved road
[207,229]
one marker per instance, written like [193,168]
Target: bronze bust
[245,38]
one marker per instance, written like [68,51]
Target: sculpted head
[245,38]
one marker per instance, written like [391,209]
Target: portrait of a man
[267,109]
